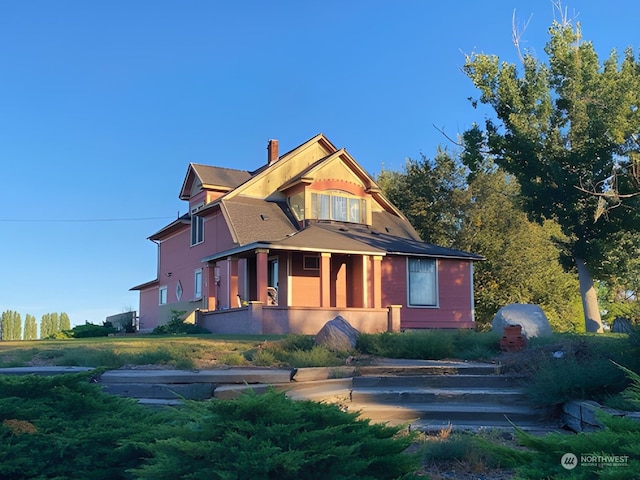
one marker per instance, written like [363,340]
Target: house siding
[149,308]
[454,308]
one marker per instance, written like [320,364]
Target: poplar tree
[567,130]
[46,326]
[30,328]
[65,322]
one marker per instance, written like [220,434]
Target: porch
[257,319]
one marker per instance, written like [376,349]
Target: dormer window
[338,206]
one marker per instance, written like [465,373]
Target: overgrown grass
[187,351]
[448,454]
[296,351]
[568,367]
[431,345]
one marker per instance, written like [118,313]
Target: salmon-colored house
[304,238]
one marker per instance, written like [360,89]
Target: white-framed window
[162,295]
[197,283]
[340,206]
[197,226]
[422,282]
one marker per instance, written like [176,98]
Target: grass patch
[431,345]
[186,351]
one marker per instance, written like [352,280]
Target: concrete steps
[425,395]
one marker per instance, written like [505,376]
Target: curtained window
[423,282]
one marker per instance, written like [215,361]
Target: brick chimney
[272,151]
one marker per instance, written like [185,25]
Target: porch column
[377,281]
[210,291]
[233,282]
[261,274]
[325,280]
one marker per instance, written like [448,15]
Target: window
[162,296]
[179,291]
[311,262]
[422,282]
[197,226]
[338,206]
[296,202]
[197,283]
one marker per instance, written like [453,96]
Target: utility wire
[80,220]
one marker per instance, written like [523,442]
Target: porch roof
[355,239]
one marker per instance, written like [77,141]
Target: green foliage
[91,330]
[480,212]
[30,328]
[584,371]
[11,328]
[65,322]
[431,344]
[270,436]
[296,351]
[566,130]
[177,326]
[65,427]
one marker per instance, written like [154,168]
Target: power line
[80,220]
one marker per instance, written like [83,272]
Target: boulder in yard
[531,317]
[337,335]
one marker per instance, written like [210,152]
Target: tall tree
[480,213]
[567,130]
[46,326]
[30,328]
[65,322]
[11,325]
[55,323]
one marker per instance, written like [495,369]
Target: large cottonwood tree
[567,129]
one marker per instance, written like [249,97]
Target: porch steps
[424,395]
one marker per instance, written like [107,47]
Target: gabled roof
[254,220]
[214,178]
[173,227]
[259,175]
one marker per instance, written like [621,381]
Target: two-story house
[304,238]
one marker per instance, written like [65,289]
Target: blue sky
[104,104]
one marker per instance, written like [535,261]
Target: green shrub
[264,358]
[427,345]
[297,342]
[90,330]
[270,436]
[65,427]
[316,357]
[177,326]
[541,456]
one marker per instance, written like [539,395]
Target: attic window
[338,206]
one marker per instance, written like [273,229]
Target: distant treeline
[12,327]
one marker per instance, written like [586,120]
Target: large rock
[337,335]
[531,317]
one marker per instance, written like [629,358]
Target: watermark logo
[569,461]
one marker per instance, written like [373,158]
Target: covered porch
[258,319]
[267,288]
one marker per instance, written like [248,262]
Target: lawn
[192,351]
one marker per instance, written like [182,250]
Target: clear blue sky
[104,104]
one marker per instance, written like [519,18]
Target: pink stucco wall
[148,316]
[454,291]
[178,261]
